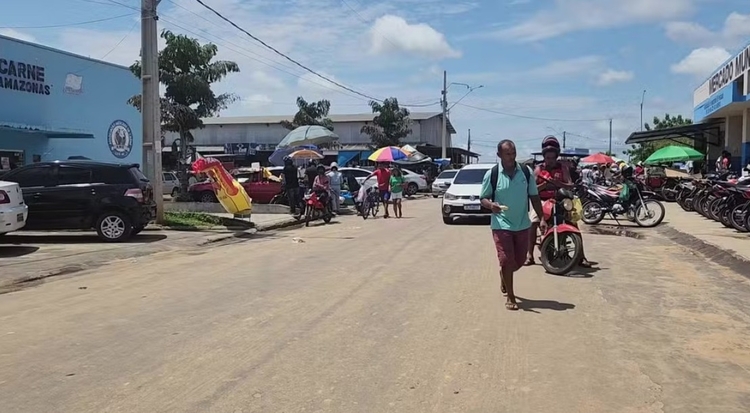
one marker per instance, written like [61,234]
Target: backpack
[496,173]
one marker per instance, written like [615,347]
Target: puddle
[610,230]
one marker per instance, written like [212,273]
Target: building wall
[424,131]
[92,108]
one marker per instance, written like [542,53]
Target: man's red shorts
[512,248]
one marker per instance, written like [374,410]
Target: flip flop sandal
[511,306]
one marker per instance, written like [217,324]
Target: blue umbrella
[308,135]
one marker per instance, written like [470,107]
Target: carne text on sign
[22,77]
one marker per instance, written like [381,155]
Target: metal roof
[356,117]
[696,131]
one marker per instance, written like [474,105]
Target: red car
[260,189]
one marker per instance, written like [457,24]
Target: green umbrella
[674,153]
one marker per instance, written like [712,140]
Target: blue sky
[560,60]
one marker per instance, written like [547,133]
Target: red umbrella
[598,158]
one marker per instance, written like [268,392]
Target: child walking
[397,191]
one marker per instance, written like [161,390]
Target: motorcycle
[561,238]
[639,206]
[316,208]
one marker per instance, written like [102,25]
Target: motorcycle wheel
[375,209]
[724,216]
[308,216]
[553,261]
[652,206]
[696,204]
[714,209]
[365,208]
[327,215]
[737,218]
[595,213]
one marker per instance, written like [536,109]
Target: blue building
[56,105]
[721,112]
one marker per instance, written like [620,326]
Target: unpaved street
[380,316]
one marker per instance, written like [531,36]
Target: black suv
[115,199]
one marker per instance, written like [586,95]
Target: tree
[312,113]
[390,125]
[188,69]
[640,152]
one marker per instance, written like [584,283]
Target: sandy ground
[380,316]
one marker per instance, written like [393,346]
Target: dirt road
[380,316]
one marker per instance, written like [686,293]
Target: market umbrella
[305,154]
[413,155]
[277,157]
[308,135]
[598,158]
[388,154]
[674,153]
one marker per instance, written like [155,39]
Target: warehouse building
[56,105]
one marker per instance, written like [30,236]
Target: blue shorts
[385,195]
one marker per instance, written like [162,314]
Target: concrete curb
[726,258]
[258,228]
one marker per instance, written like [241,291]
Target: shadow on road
[16,251]
[526,304]
[74,238]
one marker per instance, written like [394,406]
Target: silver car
[442,182]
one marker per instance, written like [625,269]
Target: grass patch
[194,220]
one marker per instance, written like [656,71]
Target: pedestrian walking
[506,191]
[290,177]
[397,191]
[383,175]
[336,179]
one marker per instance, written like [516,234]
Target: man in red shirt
[383,175]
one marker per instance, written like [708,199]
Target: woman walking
[336,179]
[397,191]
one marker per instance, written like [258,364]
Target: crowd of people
[328,184]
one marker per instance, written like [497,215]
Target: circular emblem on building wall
[120,139]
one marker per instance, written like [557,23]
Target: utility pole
[468,146]
[150,105]
[643,96]
[610,136]
[564,133]
[444,132]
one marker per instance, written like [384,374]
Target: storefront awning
[48,132]
[708,132]
[346,156]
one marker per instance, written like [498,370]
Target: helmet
[287,159]
[627,171]
[550,143]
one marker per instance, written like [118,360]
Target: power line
[68,24]
[273,49]
[530,117]
[361,18]
[110,50]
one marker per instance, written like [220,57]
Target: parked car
[442,182]
[260,189]
[116,200]
[462,199]
[170,184]
[13,211]
[414,182]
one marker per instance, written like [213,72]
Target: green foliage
[390,125]
[640,152]
[187,69]
[310,114]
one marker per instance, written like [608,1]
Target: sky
[544,66]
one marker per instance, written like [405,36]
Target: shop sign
[120,139]
[22,77]
[731,71]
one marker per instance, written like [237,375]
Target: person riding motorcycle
[322,185]
[551,175]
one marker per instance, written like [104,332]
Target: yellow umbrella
[305,154]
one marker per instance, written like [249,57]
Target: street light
[643,96]
[471,89]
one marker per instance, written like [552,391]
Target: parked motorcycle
[640,206]
[562,244]
[317,208]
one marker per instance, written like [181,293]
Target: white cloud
[734,32]
[17,35]
[701,62]
[567,16]
[611,76]
[394,34]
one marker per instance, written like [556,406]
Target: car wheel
[412,189]
[175,192]
[114,226]
[208,197]
[447,220]
[434,196]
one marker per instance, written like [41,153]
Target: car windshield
[470,176]
[446,175]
